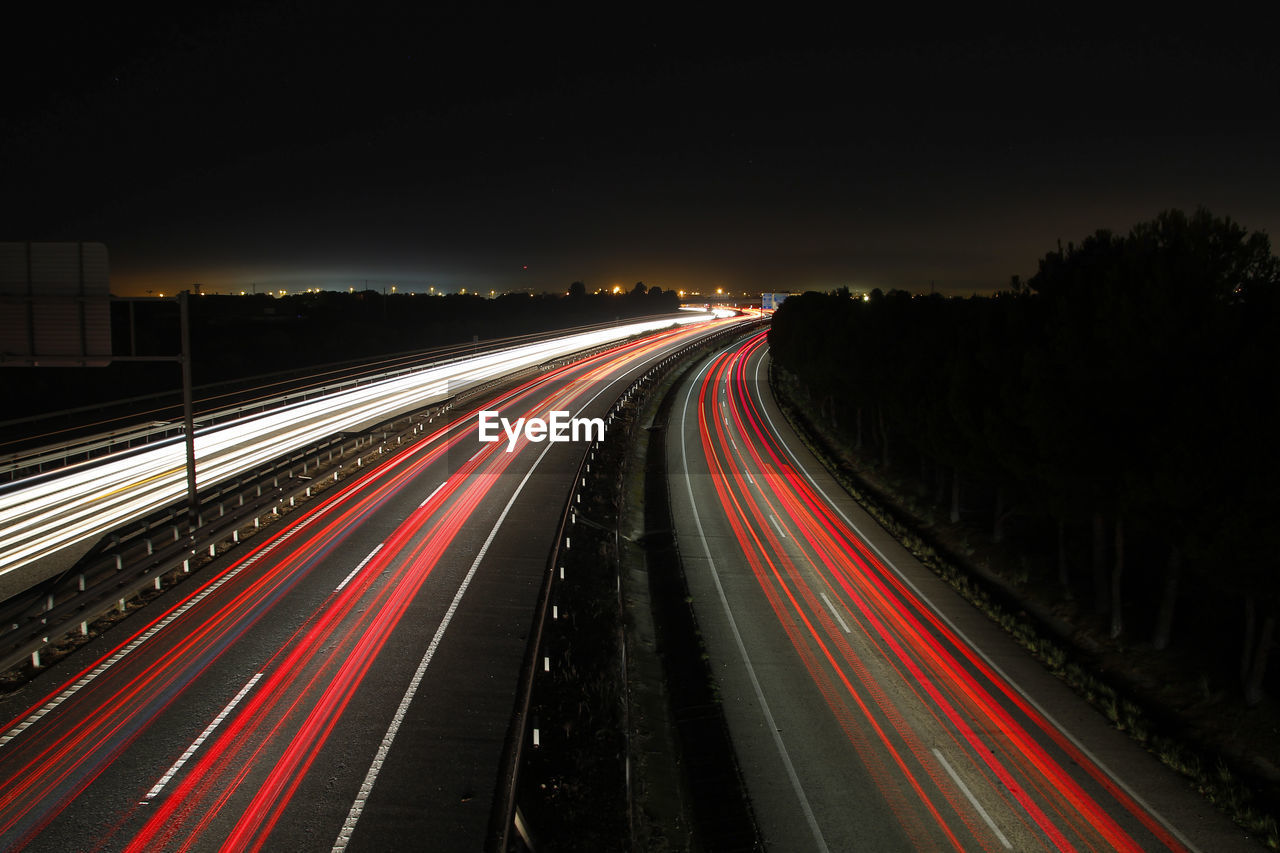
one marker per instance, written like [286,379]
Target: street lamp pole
[188,413]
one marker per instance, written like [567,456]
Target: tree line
[239,337]
[236,336]
[1116,413]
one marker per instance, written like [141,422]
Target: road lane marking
[148,634]
[296,425]
[433,493]
[384,749]
[198,742]
[363,563]
[777,526]
[995,667]
[834,612]
[972,799]
[737,635]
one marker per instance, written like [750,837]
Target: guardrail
[506,816]
[177,554]
[36,620]
[15,465]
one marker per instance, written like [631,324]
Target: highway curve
[871,708]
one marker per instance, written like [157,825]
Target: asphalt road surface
[344,681]
[872,708]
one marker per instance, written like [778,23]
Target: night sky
[287,145]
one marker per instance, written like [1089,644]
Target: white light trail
[87,500]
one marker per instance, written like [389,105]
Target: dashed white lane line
[433,494]
[972,799]
[198,742]
[1040,709]
[357,569]
[835,613]
[384,749]
[806,809]
[142,638]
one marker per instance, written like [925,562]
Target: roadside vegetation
[1089,456]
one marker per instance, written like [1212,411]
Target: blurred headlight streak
[85,501]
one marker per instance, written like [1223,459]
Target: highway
[871,708]
[344,682]
[42,515]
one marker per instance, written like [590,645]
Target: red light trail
[961,757]
[231,781]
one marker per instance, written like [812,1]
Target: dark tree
[1126,390]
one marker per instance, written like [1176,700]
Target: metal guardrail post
[506,816]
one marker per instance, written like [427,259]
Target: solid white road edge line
[737,635]
[366,787]
[1124,786]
